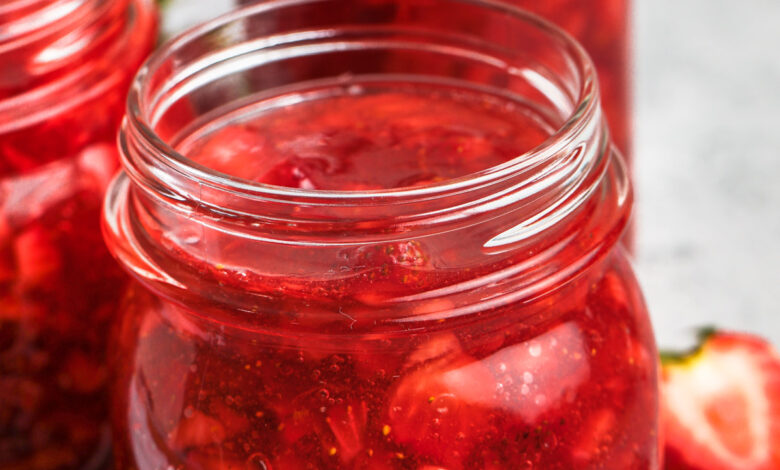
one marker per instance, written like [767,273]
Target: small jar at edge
[65,69]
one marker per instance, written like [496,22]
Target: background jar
[66,67]
[474,323]
[602,27]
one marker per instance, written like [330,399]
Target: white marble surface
[708,164]
[707,75]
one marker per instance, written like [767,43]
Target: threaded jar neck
[563,203]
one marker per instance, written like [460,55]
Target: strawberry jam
[351,263]
[61,99]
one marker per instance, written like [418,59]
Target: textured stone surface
[708,164]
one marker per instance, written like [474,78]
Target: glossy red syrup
[563,380]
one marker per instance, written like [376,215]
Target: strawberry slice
[198,430]
[430,411]
[721,405]
[443,407]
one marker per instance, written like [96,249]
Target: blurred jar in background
[602,26]
[66,67]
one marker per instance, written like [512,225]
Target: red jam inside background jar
[66,67]
[372,244]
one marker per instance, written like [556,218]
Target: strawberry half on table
[721,405]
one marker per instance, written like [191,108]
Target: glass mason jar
[489,320]
[66,67]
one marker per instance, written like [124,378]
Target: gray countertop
[708,164]
[707,153]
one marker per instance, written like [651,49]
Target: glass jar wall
[369,242]
[66,67]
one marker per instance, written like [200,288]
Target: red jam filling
[58,292]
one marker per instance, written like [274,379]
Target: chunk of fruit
[99,163]
[348,423]
[721,405]
[37,258]
[392,269]
[443,408]
[82,373]
[430,411]
[198,429]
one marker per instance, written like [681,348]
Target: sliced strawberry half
[721,405]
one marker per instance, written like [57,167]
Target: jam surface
[380,140]
[384,374]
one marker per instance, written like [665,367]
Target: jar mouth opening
[584,110]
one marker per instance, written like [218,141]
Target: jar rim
[584,112]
